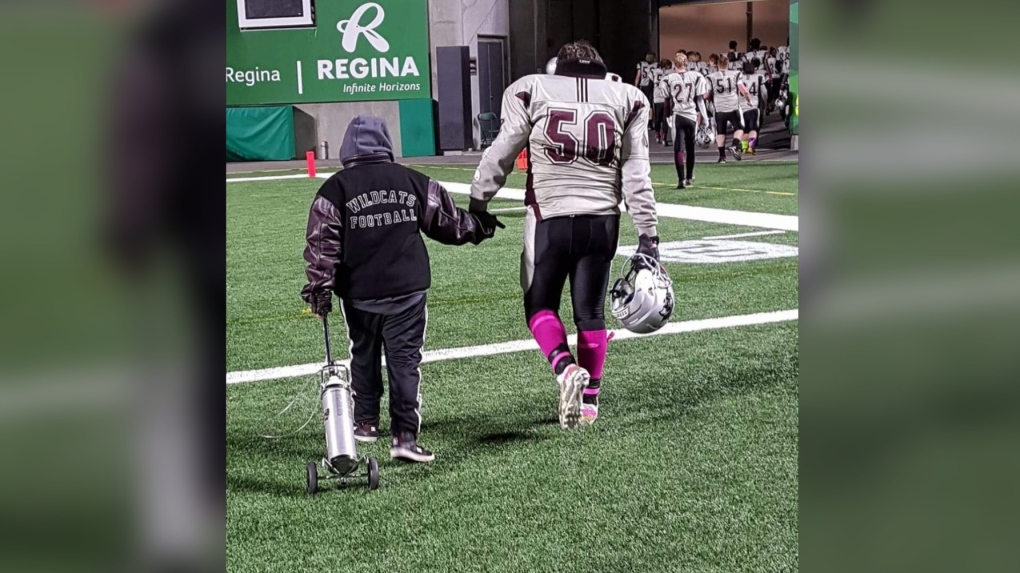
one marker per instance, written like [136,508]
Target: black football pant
[579,248]
[683,147]
[401,336]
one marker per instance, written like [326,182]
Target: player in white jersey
[756,51]
[660,103]
[687,91]
[754,83]
[774,73]
[783,54]
[587,142]
[732,54]
[645,78]
[727,93]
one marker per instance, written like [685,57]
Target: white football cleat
[572,383]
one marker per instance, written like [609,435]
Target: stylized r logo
[352,29]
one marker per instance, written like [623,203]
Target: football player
[754,83]
[687,91]
[755,52]
[645,78]
[660,103]
[588,147]
[727,93]
[784,57]
[733,53]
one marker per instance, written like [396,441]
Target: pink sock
[549,332]
[591,351]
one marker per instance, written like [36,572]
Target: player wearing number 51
[588,150]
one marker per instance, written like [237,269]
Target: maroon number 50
[599,141]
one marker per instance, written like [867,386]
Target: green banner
[260,133]
[358,50]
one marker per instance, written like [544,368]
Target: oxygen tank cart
[341,461]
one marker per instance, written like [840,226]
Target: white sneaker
[572,382]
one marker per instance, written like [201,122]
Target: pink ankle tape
[591,391]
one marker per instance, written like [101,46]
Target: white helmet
[704,137]
[643,299]
[550,66]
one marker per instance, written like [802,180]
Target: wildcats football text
[388,217]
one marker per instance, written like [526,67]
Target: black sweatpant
[683,146]
[579,247]
[401,335]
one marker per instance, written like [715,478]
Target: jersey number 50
[598,142]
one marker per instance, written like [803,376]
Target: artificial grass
[692,465]
[475,296]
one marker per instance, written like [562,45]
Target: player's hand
[648,246]
[322,303]
[489,222]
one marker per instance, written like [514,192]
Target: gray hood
[367,141]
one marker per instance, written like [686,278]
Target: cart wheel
[313,478]
[373,474]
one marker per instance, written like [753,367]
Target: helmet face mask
[643,299]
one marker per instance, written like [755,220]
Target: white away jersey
[755,84]
[587,142]
[647,73]
[724,85]
[784,57]
[660,94]
[760,54]
[684,88]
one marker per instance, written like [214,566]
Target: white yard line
[668,210]
[267,178]
[741,235]
[521,345]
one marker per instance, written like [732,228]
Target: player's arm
[445,222]
[635,172]
[637,77]
[322,253]
[743,92]
[498,160]
[702,88]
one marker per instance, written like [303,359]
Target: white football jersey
[760,54]
[587,142]
[661,93]
[784,57]
[647,73]
[724,86]
[755,85]
[772,66]
[684,88]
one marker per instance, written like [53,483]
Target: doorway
[491,73]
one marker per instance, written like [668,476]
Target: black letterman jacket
[441,221]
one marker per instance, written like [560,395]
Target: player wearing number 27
[587,141]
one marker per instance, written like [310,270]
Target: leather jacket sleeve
[448,224]
[322,249]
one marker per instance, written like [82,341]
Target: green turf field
[692,465]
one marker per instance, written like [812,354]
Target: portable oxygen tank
[341,450]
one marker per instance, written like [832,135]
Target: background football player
[754,82]
[687,91]
[726,93]
[588,148]
[661,103]
[646,79]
